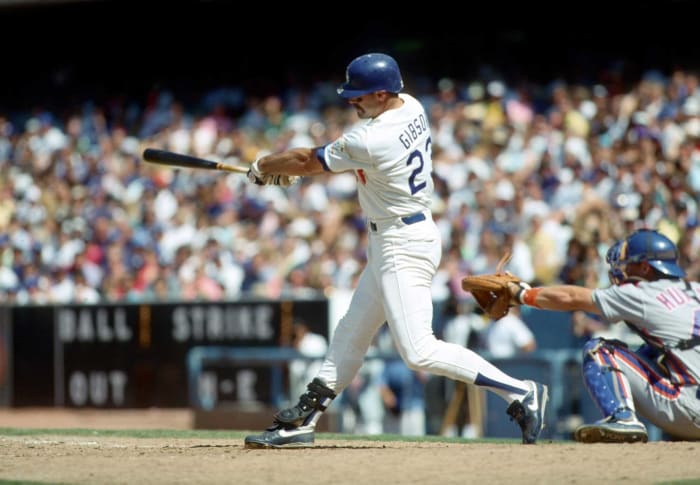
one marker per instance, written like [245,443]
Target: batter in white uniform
[660,379]
[390,155]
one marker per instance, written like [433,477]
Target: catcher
[661,379]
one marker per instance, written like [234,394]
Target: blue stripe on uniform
[485,381]
[659,383]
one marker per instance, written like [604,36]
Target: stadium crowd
[554,172]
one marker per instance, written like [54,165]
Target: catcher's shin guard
[309,408]
[606,384]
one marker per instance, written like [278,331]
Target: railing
[257,374]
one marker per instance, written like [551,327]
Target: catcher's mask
[654,248]
[370,73]
[615,274]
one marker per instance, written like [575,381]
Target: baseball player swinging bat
[172,159]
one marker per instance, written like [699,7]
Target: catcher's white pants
[395,287]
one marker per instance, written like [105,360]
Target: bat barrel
[172,159]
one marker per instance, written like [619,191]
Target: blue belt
[408,220]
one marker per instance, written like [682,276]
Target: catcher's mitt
[491,290]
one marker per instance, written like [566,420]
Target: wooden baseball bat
[172,159]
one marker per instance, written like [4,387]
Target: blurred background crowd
[554,172]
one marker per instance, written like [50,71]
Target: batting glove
[281,180]
[255,175]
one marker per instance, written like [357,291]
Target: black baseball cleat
[278,436]
[529,413]
[611,430]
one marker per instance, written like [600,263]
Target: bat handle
[231,168]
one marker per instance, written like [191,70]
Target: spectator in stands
[508,337]
[309,344]
[361,406]
[402,391]
[83,293]
[454,408]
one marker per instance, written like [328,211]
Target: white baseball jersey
[663,378]
[390,155]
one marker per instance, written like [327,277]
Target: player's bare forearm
[566,298]
[297,161]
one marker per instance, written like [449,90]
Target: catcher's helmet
[654,248]
[615,273]
[370,73]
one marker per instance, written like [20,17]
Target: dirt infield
[54,458]
[48,418]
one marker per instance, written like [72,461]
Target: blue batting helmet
[654,248]
[370,73]
[615,273]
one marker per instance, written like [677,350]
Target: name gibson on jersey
[412,131]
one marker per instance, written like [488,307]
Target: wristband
[529,296]
[519,294]
[255,168]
